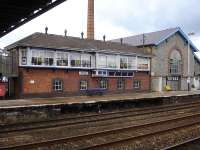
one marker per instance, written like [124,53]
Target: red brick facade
[43,82]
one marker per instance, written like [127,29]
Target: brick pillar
[90,20]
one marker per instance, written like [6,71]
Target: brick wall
[43,79]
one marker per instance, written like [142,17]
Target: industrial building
[174,62]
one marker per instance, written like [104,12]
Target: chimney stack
[82,35]
[65,33]
[121,41]
[46,30]
[104,38]
[90,20]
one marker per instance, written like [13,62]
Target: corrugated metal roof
[147,38]
[154,38]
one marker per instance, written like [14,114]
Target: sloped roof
[154,38]
[52,41]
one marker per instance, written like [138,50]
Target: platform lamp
[188,78]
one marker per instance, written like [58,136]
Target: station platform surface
[90,99]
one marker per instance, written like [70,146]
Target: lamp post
[188,78]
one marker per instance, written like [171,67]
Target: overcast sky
[115,19]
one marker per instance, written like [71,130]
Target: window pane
[86,60]
[48,60]
[143,63]
[111,61]
[37,57]
[102,61]
[175,66]
[62,59]
[83,85]
[131,62]
[136,84]
[42,57]
[123,63]
[75,59]
[24,57]
[120,84]
[103,84]
[57,85]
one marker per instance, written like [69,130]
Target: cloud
[115,18]
[70,15]
[147,15]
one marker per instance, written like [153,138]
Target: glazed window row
[103,84]
[49,58]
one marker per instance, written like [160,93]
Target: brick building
[55,65]
[173,60]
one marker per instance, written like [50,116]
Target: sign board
[32,81]
[83,73]
[173,78]
[2,89]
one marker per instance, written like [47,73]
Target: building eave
[182,34]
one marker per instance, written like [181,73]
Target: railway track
[183,145]
[109,138]
[70,121]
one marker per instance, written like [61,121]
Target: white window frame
[83,85]
[136,84]
[120,84]
[102,61]
[103,83]
[24,60]
[111,61]
[125,59]
[142,62]
[76,58]
[62,56]
[47,58]
[57,85]
[86,60]
[39,56]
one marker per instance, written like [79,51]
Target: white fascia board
[163,39]
[182,33]
[197,56]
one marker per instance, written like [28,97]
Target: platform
[40,109]
[39,102]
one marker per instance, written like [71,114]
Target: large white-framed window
[136,84]
[75,59]
[111,61]
[175,62]
[61,58]
[49,58]
[127,62]
[123,62]
[103,83]
[57,85]
[83,85]
[86,60]
[37,57]
[102,61]
[120,83]
[131,62]
[143,63]
[42,58]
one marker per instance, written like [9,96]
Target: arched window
[175,62]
